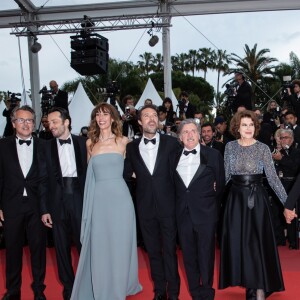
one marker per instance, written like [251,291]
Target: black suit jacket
[61,100]
[297,135]
[190,111]
[200,198]
[55,181]
[243,97]
[13,182]
[293,195]
[155,193]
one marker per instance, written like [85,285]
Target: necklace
[102,140]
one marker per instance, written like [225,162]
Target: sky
[278,31]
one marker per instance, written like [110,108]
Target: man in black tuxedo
[66,161]
[243,93]
[151,159]
[189,109]
[60,98]
[290,119]
[23,179]
[199,181]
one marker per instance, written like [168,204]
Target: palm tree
[205,60]
[295,63]
[256,65]
[179,62]
[145,63]
[221,64]
[157,62]
[192,61]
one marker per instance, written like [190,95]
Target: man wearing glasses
[23,179]
[287,162]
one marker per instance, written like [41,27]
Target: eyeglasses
[22,121]
[285,137]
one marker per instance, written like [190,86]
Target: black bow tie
[67,141]
[186,152]
[153,141]
[27,142]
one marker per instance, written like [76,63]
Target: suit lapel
[176,164]
[138,154]
[159,152]
[15,154]
[55,161]
[77,156]
[202,166]
[34,155]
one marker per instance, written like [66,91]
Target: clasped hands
[289,215]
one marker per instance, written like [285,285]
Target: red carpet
[290,261]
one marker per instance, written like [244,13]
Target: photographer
[130,123]
[11,103]
[272,115]
[186,109]
[208,138]
[287,162]
[291,123]
[242,93]
[60,98]
[294,99]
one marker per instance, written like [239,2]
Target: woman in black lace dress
[249,256]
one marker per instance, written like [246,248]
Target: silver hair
[189,121]
[288,131]
[24,108]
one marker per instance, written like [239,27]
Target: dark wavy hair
[235,122]
[64,115]
[94,129]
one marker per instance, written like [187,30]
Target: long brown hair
[94,129]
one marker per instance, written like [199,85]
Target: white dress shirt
[188,165]
[149,152]
[25,156]
[67,160]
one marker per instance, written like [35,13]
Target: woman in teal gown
[108,263]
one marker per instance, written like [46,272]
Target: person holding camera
[60,98]
[186,109]
[130,122]
[11,103]
[294,98]
[242,93]
[287,162]
[291,119]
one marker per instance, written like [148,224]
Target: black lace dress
[249,256]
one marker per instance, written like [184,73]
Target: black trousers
[15,228]
[160,239]
[198,249]
[66,230]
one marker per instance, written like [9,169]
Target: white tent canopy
[2,119]
[149,93]
[80,109]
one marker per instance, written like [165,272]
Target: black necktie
[186,152]
[153,141]
[28,142]
[67,141]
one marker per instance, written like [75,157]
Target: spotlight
[153,40]
[36,47]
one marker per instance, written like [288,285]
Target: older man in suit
[67,162]
[150,158]
[199,181]
[23,177]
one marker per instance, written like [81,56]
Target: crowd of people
[155,178]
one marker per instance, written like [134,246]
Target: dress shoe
[39,296]
[8,296]
[160,297]
[173,298]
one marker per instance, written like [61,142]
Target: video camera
[47,100]
[111,90]
[181,105]
[275,113]
[286,84]
[13,99]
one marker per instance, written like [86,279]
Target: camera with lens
[46,100]
[287,84]
[288,126]
[13,99]
[230,93]
[128,115]
[275,112]
[181,105]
